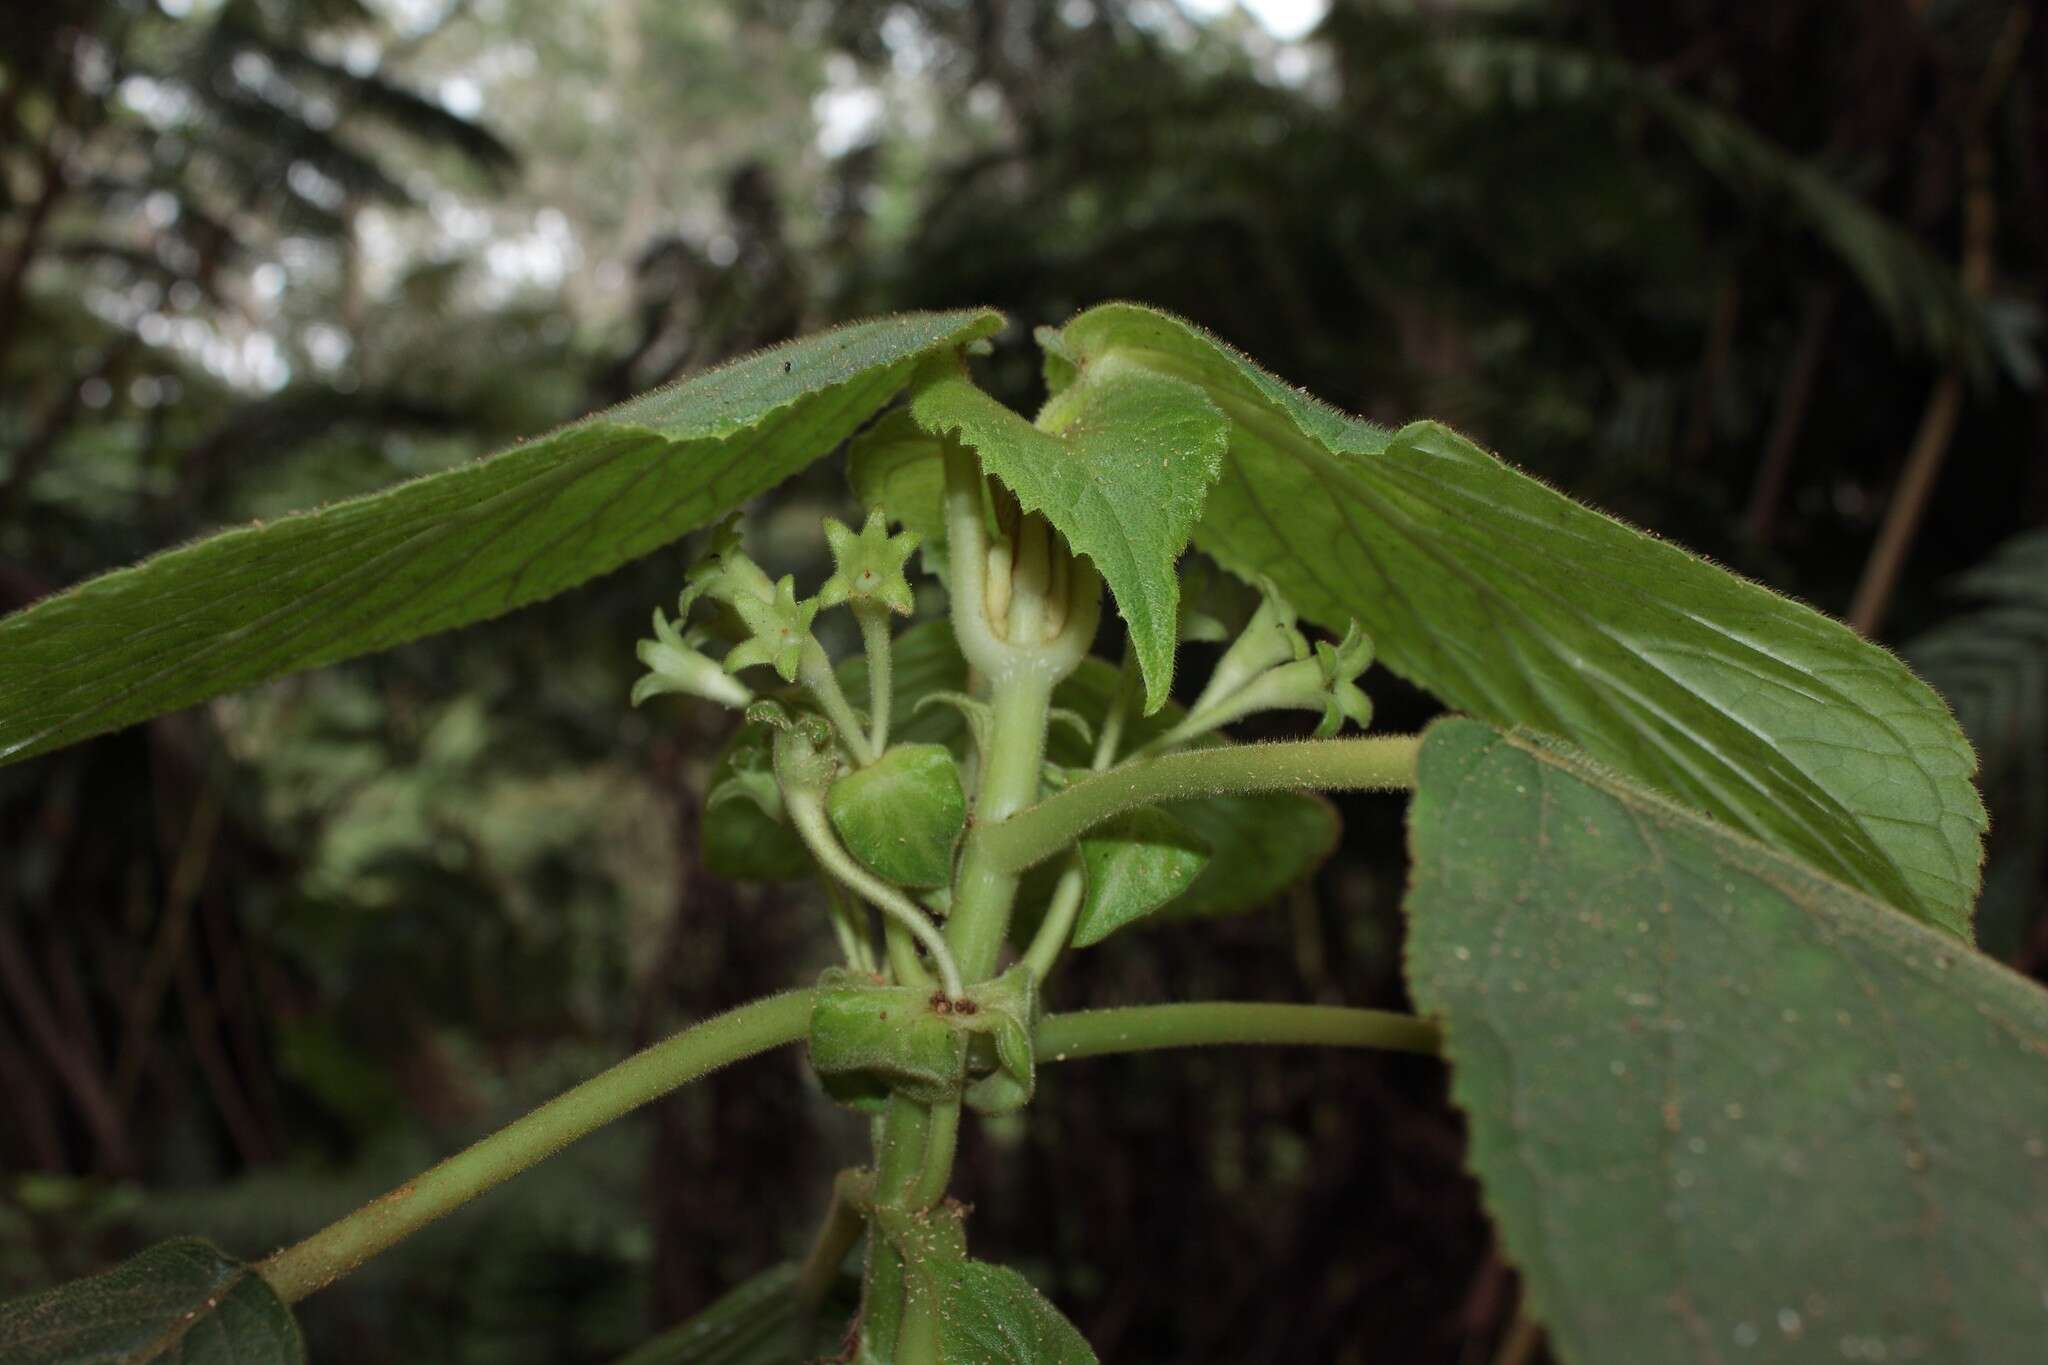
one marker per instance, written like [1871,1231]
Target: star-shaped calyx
[868,566]
[1341,664]
[780,626]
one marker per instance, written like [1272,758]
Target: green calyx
[1270,639]
[780,626]
[1270,667]
[868,565]
[674,664]
[777,623]
[805,759]
[870,1040]
[1340,666]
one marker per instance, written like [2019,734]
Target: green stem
[903,959]
[986,890]
[881,1295]
[1060,912]
[1148,1028]
[814,671]
[900,1163]
[806,808]
[918,1342]
[850,926]
[836,1235]
[874,637]
[340,1247]
[900,1151]
[1372,763]
[941,1135]
[1111,739]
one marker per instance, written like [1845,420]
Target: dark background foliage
[1762,278]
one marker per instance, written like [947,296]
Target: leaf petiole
[1369,763]
[1214,1023]
[806,807]
[341,1246]
[1053,931]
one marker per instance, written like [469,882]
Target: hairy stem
[836,1235]
[1149,1028]
[1372,763]
[901,1147]
[986,888]
[1051,939]
[941,1134]
[850,926]
[903,959]
[874,637]
[340,1247]
[1110,742]
[807,813]
[814,671]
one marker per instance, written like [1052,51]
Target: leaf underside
[178,1303]
[1510,601]
[1724,1108]
[990,1315]
[449,549]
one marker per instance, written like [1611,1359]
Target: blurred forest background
[1763,278]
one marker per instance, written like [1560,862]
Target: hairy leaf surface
[449,549]
[1724,1108]
[1136,864]
[1122,478]
[990,1315]
[1513,602]
[181,1302]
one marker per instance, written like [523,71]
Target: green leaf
[1723,1107]
[902,814]
[1259,845]
[1122,475]
[744,836]
[990,1315]
[1512,602]
[1136,864]
[759,1322]
[181,1302]
[896,466]
[449,549]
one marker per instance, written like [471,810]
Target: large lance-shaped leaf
[1513,602]
[1122,476]
[448,549]
[178,1303]
[1724,1108]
